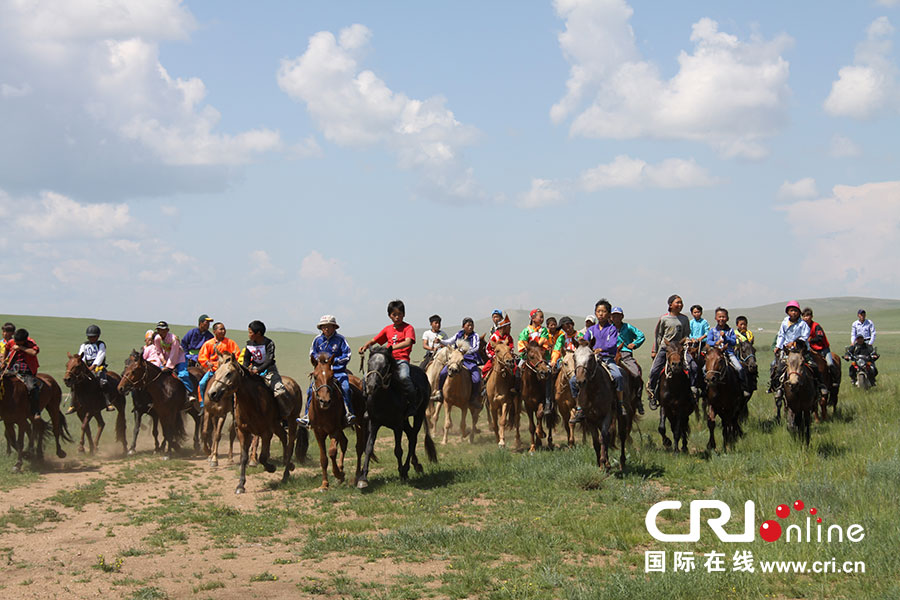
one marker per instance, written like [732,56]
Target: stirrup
[578,417]
[71,409]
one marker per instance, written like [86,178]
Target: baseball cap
[204,317]
[162,325]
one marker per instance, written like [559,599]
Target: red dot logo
[770,531]
[798,505]
[813,511]
[818,519]
[782,511]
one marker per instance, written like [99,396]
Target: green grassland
[504,525]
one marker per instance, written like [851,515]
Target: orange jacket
[208,358]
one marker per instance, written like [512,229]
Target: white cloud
[889,3]
[315,267]
[169,210]
[728,93]
[869,86]
[56,216]
[354,107]
[543,192]
[843,147]
[629,172]
[852,235]
[802,188]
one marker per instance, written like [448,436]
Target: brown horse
[90,403]
[832,380]
[215,412]
[800,393]
[457,392]
[15,411]
[535,372]
[503,404]
[435,400]
[142,404]
[326,418]
[565,402]
[597,399]
[675,400]
[166,393]
[256,413]
[724,398]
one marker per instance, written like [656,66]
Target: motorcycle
[864,366]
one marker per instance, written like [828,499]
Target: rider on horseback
[466,340]
[335,345]
[630,339]
[537,333]
[818,341]
[170,351]
[793,331]
[194,339]
[724,337]
[430,340]
[21,359]
[400,337]
[603,339]
[742,333]
[567,342]
[259,358]
[208,357]
[672,326]
[501,334]
[93,352]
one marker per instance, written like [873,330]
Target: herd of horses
[378,401]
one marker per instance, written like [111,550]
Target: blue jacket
[193,340]
[471,358]
[791,332]
[699,329]
[629,334]
[335,346]
[606,339]
[714,337]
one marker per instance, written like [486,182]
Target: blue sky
[284,160]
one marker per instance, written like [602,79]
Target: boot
[71,408]
[578,417]
[651,398]
[623,410]
[639,404]
[35,402]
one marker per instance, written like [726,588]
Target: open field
[481,523]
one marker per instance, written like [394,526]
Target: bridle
[142,383]
[330,385]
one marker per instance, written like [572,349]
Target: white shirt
[430,337]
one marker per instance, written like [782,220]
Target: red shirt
[18,358]
[818,341]
[393,335]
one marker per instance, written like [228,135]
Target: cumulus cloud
[53,215]
[353,107]
[543,192]
[853,234]
[85,95]
[869,86]
[315,267]
[802,188]
[728,93]
[843,147]
[627,172]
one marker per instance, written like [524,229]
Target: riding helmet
[92,330]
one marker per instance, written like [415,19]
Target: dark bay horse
[89,402]
[503,405]
[832,380]
[535,372]
[386,407]
[800,393]
[166,393]
[675,400]
[326,418]
[15,411]
[724,398]
[747,355]
[597,399]
[256,413]
[142,404]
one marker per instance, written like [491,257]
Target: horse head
[76,370]
[135,373]
[323,387]
[715,364]
[227,377]
[674,358]
[747,355]
[379,369]
[455,361]
[585,363]
[794,363]
[504,360]
[534,361]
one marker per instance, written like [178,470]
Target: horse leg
[475,415]
[711,424]
[156,444]
[398,452]
[623,436]
[137,428]
[662,428]
[462,422]
[412,437]
[216,437]
[197,427]
[20,446]
[362,479]
[37,438]
[447,424]
[254,452]
[265,447]
[342,445]
[244,442]
[56,417]
[323,456]
[532,429]
[100,425]
[500,422]
[517,417]
[85,430]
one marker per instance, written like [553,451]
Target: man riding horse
[723,336]
[794,332]
[21,359]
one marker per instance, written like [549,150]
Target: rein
[143,381]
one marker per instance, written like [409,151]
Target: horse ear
[583,342]
[69,354]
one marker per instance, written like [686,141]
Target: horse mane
[463,346]
[323,358]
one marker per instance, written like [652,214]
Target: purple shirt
[605,339]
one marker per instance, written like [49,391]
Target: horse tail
[120,423]
[301,444]
[512,414]
[180,433]
[430,448]
[64,428]
[552,418]
[613,428]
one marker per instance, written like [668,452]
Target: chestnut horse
[166,393]
[675,400]
[457,392]
[503,404]
[565,402]
[724,398]
[257,413]
[214,414]
[535,372]
[832,380]
[15,411]
[800,393]
[386,406]
[326,418]
[89,402]
[597,399]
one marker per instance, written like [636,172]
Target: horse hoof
[239,490]
[80,449]
[131,452]
[165,457]
[252,463]
[419,468]
[60,454]
[214,463]
[362,484]
[270,468]
[16,469]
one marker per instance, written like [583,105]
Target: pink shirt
[169,350]
[151,355]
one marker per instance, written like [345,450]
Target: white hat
[591,318]
[328,320]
